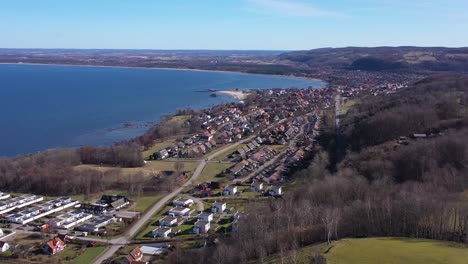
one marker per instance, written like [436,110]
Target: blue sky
[231,24]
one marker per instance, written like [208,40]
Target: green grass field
[211,170]
[146,201]
[228,152]
[88,256]
[162,165]
[346,106]
[384,251]
[397,251]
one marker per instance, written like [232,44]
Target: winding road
[124,239]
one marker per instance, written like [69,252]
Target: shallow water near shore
[47,106]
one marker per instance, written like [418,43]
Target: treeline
[168,127]
[381,188]
[55,172]
[51,172]
[375,64]
[123,155]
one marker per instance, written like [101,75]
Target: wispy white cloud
[289,8]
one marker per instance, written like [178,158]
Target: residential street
[123,240]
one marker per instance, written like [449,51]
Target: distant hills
[383,58]
[265,62]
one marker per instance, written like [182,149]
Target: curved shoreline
[238,95]
[162,68]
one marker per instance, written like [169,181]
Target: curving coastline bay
[50,106]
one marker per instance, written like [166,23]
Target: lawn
[228,152]
[161,165]
[279,148]
[383,251]
[396,251]
[211,170]
[156,147]
[146,201]
[346,106]
[89,255]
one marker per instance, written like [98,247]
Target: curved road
[118,242]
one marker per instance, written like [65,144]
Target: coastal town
[234,132]
[244,153]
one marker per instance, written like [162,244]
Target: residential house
[188,141]
[114,201]
[230,190]
[152,250]
[207,136]
[168,221]
[201,227]
[179,211]
[208,145]
[93,209]
[4,196]
[161,154]
[1,232]
[275,191]
[54,246]
[161,232]
[135,255]
[4,246]
[256,186]
[202,148]
[213,143]
[205,216]
[183,202]
[218,207]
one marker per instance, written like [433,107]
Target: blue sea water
[46,106]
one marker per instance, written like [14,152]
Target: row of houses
[19,202]
[37,212]
[174,217]
[181,150]
[249,147]
[70,219]
[253,161]
[4,196]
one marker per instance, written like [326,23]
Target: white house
[206,217]
[218,207]
[257,186]
[1,232]
[4,196]
[179,211]
[161,232]
[182,202]
[275,191]
[230,190]
[4,246]
[152,250]
[201,227]
[168,221]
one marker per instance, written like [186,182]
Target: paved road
[200,205]
[339,136]
[118,242]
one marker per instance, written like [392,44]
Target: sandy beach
[239,95]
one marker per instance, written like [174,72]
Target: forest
[386,184]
